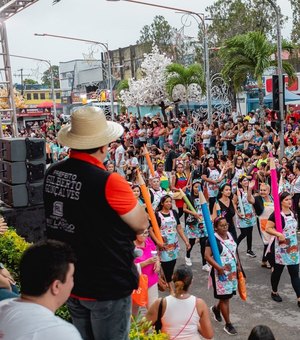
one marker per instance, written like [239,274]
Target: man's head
[46,270]
[89,130]
[167,147]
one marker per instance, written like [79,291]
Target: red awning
[48,105]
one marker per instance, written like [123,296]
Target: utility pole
[280,74]
[22,79]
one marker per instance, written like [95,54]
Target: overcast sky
[115,23]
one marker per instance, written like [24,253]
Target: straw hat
[89,129]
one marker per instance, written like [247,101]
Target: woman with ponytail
[183,316]
[171,230]
[225,207]
[223,278]
[285,250]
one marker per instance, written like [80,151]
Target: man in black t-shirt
[171,155]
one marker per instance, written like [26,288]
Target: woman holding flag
[195,228]
[264,206]
[246,218]
[286,247]
[225,207]
[224,278]
[170,228]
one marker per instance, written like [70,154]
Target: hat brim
[73,141]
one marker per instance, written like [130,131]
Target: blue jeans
[101,320]
[6,294]
[161,142]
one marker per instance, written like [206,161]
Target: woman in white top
[183,316]
[206,134]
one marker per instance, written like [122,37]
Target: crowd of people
[95,165]
[229,160]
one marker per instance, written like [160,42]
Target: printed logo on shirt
[58,208]
[63,184]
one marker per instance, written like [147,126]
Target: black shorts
[168,268]
[216,296]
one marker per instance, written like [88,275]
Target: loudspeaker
[21,149]
[22,172]
[21,195]
[275,91]
[22,169]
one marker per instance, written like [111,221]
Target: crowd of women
[229,161]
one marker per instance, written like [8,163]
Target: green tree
[123,85]
[28,81]
[232,17]
[178,74]
[250,55]
[229,18]
[159,33]
[46,78]
[295,36]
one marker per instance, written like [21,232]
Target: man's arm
[120,197]
[136,219]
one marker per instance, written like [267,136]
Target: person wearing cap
[96,213]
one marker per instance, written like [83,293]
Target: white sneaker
[206,267]
[188,261]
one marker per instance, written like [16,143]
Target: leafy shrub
[12,247]
[64,313]
[141,329]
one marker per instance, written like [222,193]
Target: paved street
[283,318]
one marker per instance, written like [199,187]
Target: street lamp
[51,77]
[280,75]
[200,16]
[109,73]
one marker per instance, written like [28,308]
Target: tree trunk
[138,111]
[163,111]
[261,104]
[188,110]
[177,110]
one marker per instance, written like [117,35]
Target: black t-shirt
[227,212]
[272,219]
[213,140]
[207,171]
[219,244]
[169,160]
[258,205]
[174,213]
[197,173]
[220,247]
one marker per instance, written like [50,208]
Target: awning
[48,105]
[289,97]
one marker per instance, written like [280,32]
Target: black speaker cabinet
[21,149]
[21,195]
[22,172]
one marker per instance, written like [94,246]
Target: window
[57,94]
[36,96]
[28,96]
[42,96]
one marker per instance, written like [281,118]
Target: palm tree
[178,74]
[251,54]
[123,85]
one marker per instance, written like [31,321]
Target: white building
[77,79]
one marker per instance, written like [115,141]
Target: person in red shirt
[97,214]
